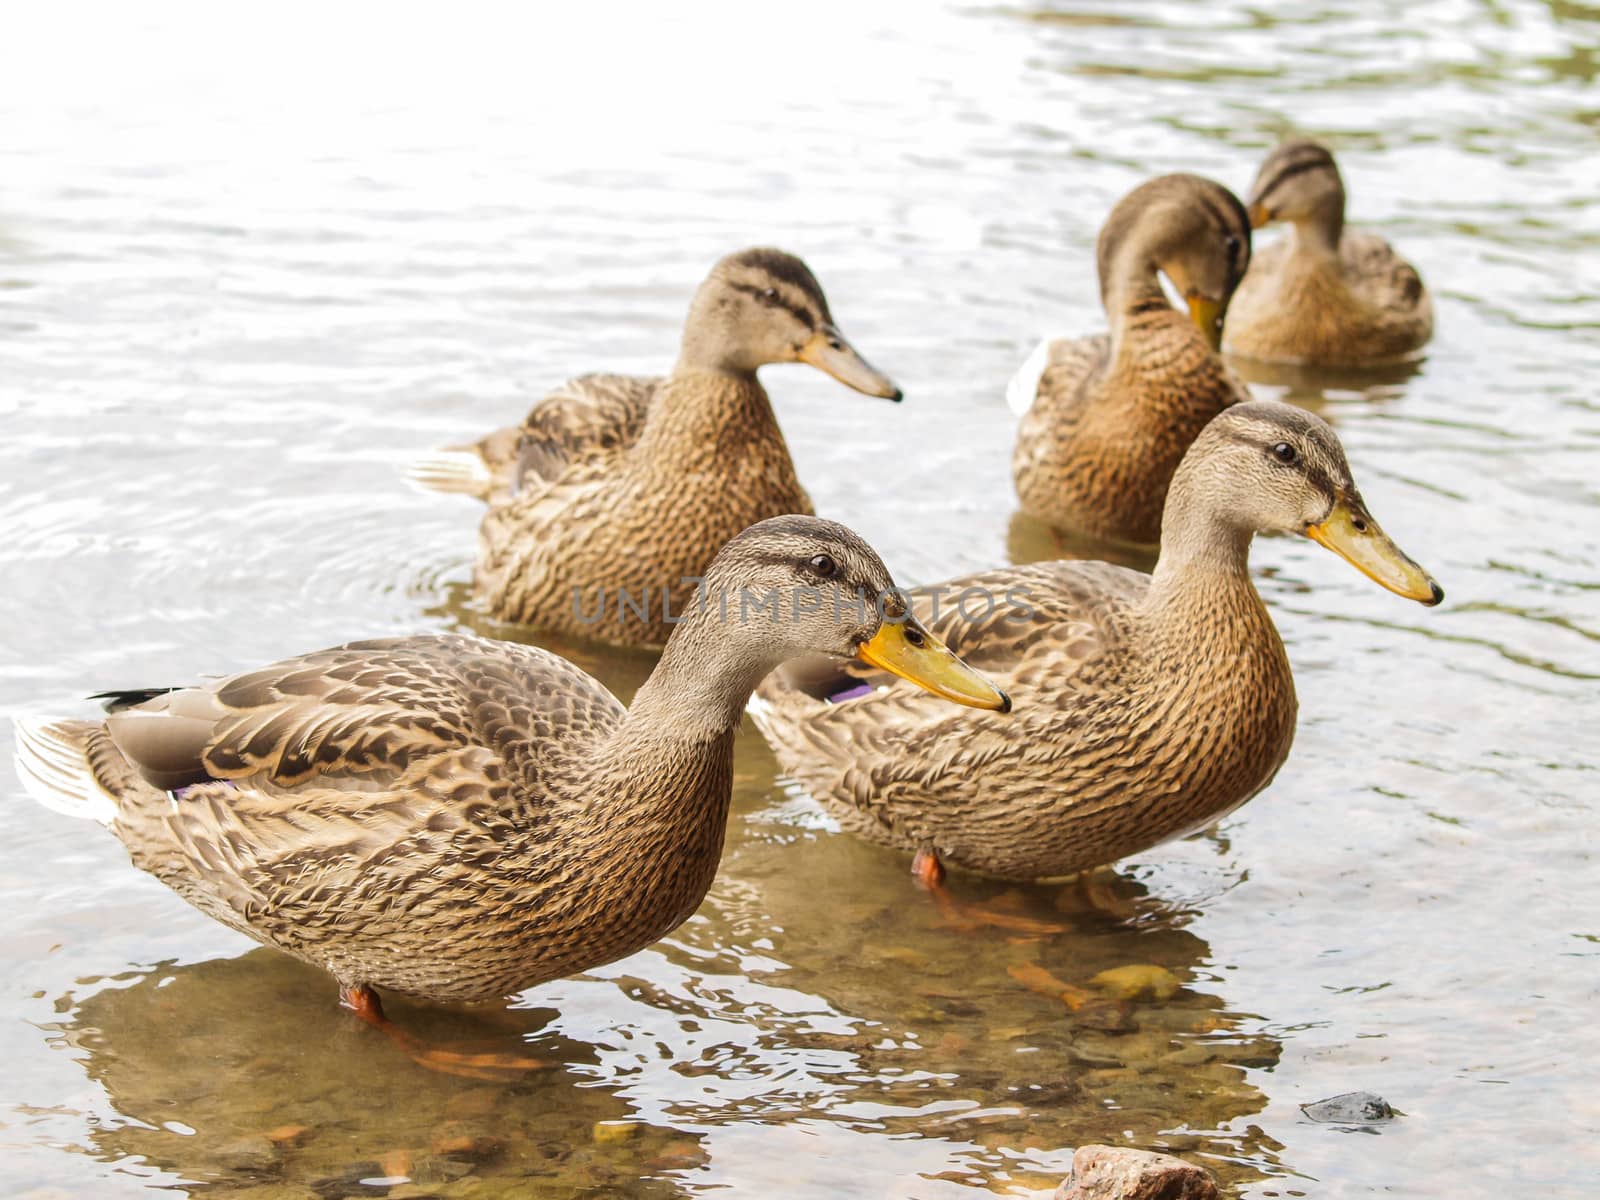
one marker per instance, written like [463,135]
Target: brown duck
[606,502]
[1146,707]
[1325,295]
[1106,419]
[461,819]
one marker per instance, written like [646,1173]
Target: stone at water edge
[1114,1173]
[1352,1108]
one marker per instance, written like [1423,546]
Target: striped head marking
[762,306]
[1298,182]
[1266,466]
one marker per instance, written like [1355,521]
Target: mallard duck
[460,819]
[1106,419]
[1324,295]
[1146,706]
[606,502]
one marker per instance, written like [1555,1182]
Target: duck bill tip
[830,352]
[1355,537]
[906,649]
[1207,314]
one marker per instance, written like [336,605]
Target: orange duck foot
[929,873]
[927,870]
[494,1066]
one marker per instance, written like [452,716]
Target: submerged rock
[1138,981]
[1046,1094]
[254,1155]
[1113,1173]
[614,1133]
[1352,1108]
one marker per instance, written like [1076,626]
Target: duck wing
[322,784]
[591,417]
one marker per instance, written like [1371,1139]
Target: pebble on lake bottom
[1115,1173]
[1138,981]
[467,1141]
[613,1133]
[289,1135]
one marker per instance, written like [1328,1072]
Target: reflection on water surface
[860,1018]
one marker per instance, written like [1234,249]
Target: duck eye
[824,566]
[769,295]
[1231,242]
[1285,453]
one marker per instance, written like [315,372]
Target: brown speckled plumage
[710,461]
[615,483]
[453,818]
[1144,707]
[590,417]
[1323,295]
[1111,416]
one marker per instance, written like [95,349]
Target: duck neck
[1317,233]
[1136,306]
[706,673]
[711,342]
[694,412]
[706,355]
[670,759]
[649,817]
[1203,554]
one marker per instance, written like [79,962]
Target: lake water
[249,261]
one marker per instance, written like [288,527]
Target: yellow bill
[1351,533]
[908,650]
[1258,215]
[1207,316]
[830,351]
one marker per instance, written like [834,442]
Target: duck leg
[929,873]
[364,1002]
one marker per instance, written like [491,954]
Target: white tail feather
[54,772]
[459,471]
[759,711]
[1024,385]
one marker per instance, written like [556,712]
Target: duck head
[763,306]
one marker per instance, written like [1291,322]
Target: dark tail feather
[115,701]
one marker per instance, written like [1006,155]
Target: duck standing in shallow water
[1324,295]
[1106,419]
[621,484]
[1147,706]
[460,819]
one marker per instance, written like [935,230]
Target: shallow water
[245,267]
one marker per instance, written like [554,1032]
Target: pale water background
[248,262]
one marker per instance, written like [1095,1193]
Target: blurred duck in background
[1324,295]
[1107,419]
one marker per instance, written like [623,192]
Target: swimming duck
[1146,706]
[1324,295]
[1106,419]
[460,819]
[606,502]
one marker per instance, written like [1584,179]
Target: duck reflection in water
[771,1011]
[274,1090]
